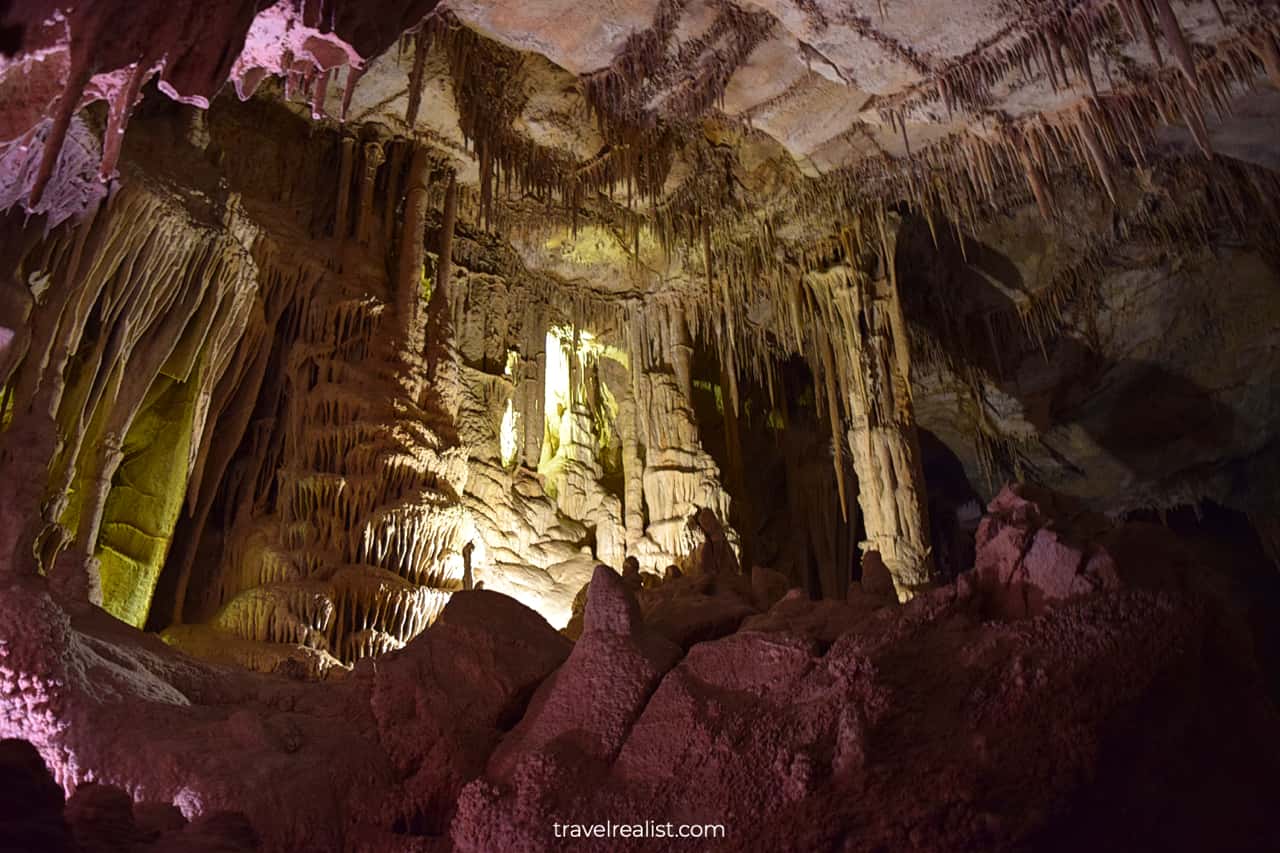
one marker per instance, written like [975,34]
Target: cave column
[373,160]
[412,253]
[882,438]
[344,189]
[632,471]
[441,349]
[533,387]
[681,355]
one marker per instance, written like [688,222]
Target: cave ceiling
[600,137]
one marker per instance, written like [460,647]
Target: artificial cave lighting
[507,439]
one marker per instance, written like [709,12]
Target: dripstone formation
[851,423]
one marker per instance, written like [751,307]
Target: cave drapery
[415,305]
[432,424]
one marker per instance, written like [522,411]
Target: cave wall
[1126,363]
[604,459]
[302,494]
[360,387]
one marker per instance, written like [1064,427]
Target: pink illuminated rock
[692,609]
[814,726]
[591,701]
[390,745]
[75,54]
[1033,550]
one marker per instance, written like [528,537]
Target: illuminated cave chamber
[422,422]
[584,446]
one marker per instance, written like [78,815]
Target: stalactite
[354,73]
[1269,54]
[320,90]
[373,160]
[1177,41]
[165,295]
[897,319]
[421,43]
[344,188]
[1039,188]
[68,102]
[1148,29]
[833,417]
[118,111]
[441,355]
[1084,126]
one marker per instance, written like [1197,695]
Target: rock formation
[448,425]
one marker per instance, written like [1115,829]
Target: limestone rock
[1032,553]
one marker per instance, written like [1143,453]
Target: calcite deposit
[797,724]
[491,424]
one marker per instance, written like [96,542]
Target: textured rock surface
[811,724]
[681,180]
[1032,552]
[387,747]
[322,324]
[917,726]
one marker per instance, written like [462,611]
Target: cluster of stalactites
[346,538]
[140,324]
[967,173]
[489,93]
[974,174]
[842,313]
[651,77]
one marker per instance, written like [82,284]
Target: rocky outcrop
[1033,551]
[100,817]
[837,710]
[381,752]
[939,724]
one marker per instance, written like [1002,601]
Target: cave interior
[487,425]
